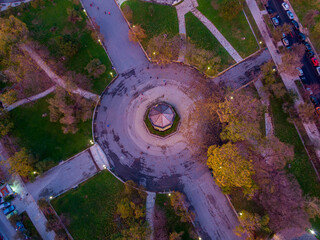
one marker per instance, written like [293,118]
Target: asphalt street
[308,69]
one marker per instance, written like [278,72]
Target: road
[309,71]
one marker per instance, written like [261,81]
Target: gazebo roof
[161,115]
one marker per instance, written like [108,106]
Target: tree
[20,163]
[73,15]
[136,232]
[175,236]
[179,204]
[8,97]
[124,209]
[268,74]
[312,206]
[5,123]
[275,153]
[278,90]
[252,223]
[277,33]
[137,33]
[230,169]
[306,112]
[292,59]
[204,60]
[241,114]
[69,110]
[67,45]
[275,189]
[95,68]
[37,3]
[12,32]
[162,49]
[230,9]
[127,12]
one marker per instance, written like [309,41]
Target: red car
[315,62]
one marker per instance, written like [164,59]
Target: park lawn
[301,167]
[45,139]
[164,19]
[233,30]
[91,207]
[33,232]
[203,38]
[41,23]
[173,221]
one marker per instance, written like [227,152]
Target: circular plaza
[160,95]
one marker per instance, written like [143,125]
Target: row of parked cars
[301,40]
[6,207]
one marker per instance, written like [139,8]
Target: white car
[285,42]
[300,71]
[318,70]
[290,15]
[285,6]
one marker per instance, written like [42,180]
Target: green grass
[203,38]
[91,207]
[233,30]
[252,23]
[173,221]
[301,167]
[164,19]
[40,22]
[43,138]
[33,233]
[167,132]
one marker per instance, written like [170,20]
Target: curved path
[158,164]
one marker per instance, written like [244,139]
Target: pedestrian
[105,12]
[98,8]
[109,13]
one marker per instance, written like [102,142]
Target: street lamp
[50,197]
[312,232]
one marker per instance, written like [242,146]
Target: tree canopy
[230,169]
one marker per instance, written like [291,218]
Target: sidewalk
[30,99]
[54,77]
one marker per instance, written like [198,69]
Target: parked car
[290,15]
[301,37]
[300,71]
[308,46]
[316,103]
[275,20]
[310,54]
[8,210]
[20,227]
[315,61]
[285,42]
[285,6]
[318,70]
[4,205]
[295,24]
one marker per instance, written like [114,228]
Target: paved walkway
[54,77]
[311,128]
[25,202]
[150,203]
[61,178]
[223,41]
[31,99]
[124,54]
